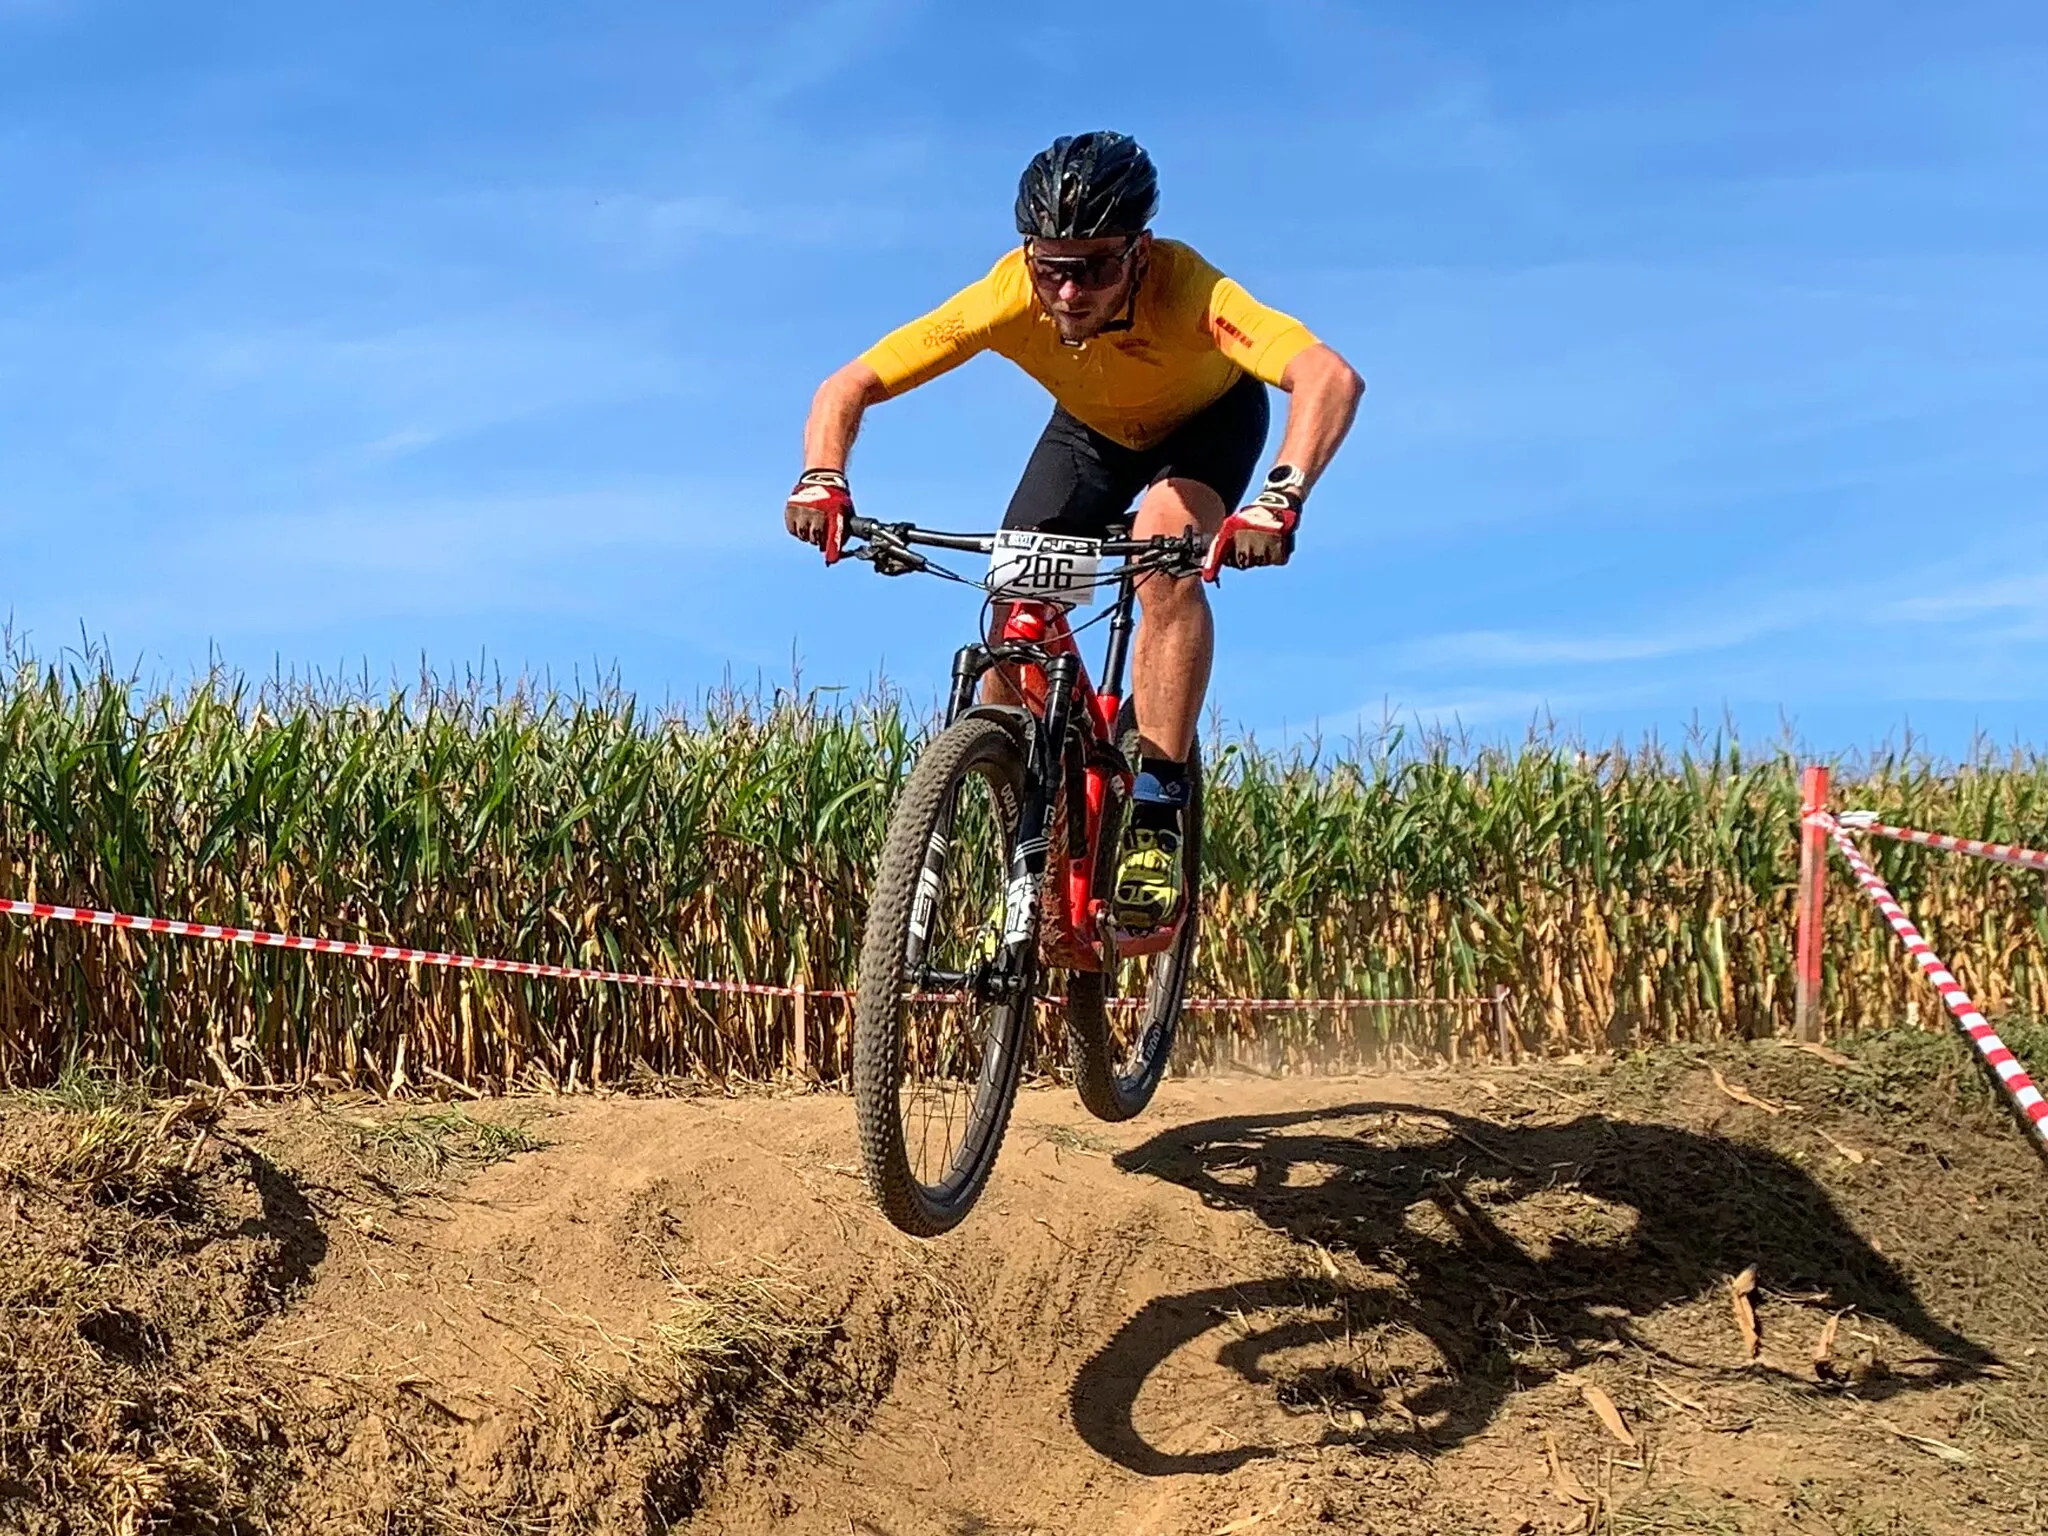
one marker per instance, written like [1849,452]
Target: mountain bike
[999,864]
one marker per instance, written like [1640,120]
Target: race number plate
[1044,568]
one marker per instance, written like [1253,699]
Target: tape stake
[2012,1077]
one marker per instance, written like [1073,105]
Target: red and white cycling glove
[819,504]
[1261,532]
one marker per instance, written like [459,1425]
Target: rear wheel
[1121,1023]
[944,998]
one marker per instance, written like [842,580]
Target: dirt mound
[1484,1303]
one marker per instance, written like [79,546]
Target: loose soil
[1448,1303]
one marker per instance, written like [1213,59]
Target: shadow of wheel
[1436,1212]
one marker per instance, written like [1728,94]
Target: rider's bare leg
[1176,637]
[996,687]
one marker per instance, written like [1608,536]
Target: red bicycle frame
[1076,760]
[1079,927]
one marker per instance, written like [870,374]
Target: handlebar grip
[1227,535]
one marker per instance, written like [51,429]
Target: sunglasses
[1099,271]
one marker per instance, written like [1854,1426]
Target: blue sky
[1707,344]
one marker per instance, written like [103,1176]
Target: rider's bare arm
[836,411]
[1323,393]
[834,422]
[1275,347]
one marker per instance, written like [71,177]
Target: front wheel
[945,990]
[1121,1024]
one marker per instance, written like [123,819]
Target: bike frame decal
[928,879]
[1020,908]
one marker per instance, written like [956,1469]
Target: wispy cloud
[626,225]
[1490,713]
[1855,603]
[1525,705]
[617,557]
[1500,648]
[2024,593]
[814,47]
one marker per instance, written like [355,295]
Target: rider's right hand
[819,494]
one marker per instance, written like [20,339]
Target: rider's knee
[1167,597]
[1174,503]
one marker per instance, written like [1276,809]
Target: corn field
[1621,896]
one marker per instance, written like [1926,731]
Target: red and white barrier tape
[400,955]
[393,953]
[1301,1004]
[1982,1037]
[2004,853]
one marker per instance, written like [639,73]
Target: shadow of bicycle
[1494,1257]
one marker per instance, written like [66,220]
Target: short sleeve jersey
[1192,334]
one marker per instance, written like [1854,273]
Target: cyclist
[1158,366]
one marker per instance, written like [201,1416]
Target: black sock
[1164,769]
[1161,815]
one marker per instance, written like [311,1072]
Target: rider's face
[1085,284]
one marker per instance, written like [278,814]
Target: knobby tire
[1110,1088]
[969,746]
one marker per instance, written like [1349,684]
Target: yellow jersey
[1193,333]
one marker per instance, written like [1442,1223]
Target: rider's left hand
[1265,524]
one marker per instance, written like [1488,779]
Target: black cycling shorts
[1079,482]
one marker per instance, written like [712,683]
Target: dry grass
[747,1325]
[141,1241]
[100,1191]
[1670,1514]
[408,1150]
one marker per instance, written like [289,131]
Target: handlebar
[905,533]
[1197,555]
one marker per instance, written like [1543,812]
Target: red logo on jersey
[1232,332]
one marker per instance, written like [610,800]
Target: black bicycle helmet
[1085,185]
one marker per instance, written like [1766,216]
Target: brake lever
[887,554]
[1178,557]
[895,560]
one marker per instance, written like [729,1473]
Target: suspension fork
[969,663]
[1042,780]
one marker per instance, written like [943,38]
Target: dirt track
[1352,1304]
